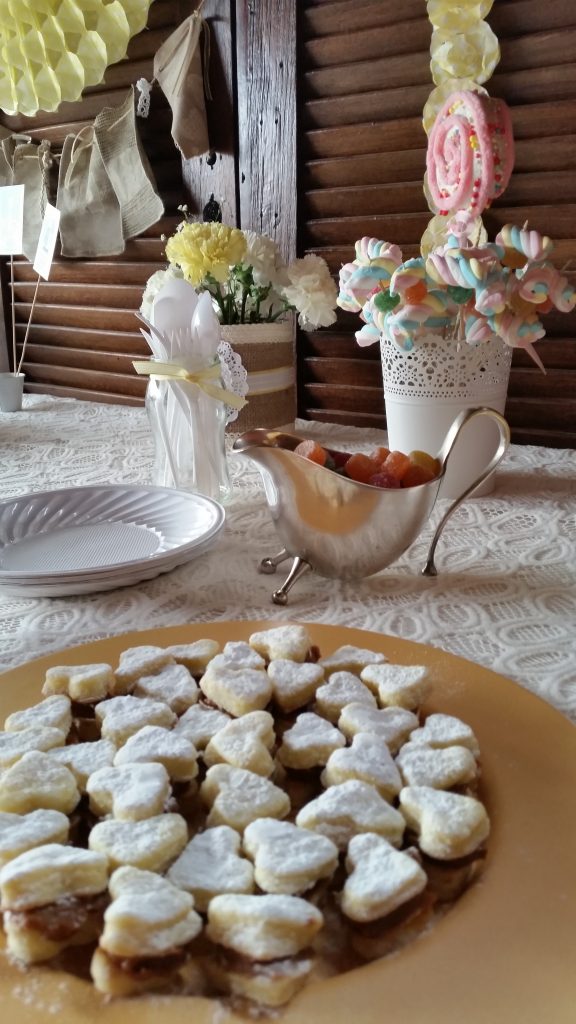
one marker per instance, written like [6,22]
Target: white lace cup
[426,388]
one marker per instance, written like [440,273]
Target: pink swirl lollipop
[470,153]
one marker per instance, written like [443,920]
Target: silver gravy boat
[338,527]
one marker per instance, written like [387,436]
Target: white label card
[47,241]
[11,219]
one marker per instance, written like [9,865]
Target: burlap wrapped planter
[269,356]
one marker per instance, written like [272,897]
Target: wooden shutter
[84,333]
[364,78]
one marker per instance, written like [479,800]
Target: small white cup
[11,388]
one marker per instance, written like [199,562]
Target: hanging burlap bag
[128,168]
[32,164]
[179,70]
[90,217]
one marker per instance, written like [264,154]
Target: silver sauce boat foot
[269,565]
[297,570]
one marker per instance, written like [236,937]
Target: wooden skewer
[27,327]
[13,311]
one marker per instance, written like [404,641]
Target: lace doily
[234,376]
[505,596]
[444,368]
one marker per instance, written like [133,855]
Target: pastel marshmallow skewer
[530,243]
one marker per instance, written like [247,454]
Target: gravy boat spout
[341,528]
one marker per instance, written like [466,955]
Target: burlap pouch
[90,218]
[32,164]
[268,355]
[128,167]
[179,71]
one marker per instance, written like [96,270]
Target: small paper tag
[47,241]
[11,219]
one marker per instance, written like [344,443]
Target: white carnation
[263,256]
[312,291]
[153,286]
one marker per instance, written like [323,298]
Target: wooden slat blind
[84,333]
[364,78]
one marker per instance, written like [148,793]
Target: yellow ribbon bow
[202,378]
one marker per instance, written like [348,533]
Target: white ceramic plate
[84,539]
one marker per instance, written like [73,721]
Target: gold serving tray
[503,953]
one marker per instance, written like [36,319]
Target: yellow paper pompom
[436,234]
[471,54]
[51,50]
[451,17]
[438,97]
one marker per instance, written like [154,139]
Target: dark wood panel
[526,16]
[79,316]
[76,358]
[116,296]
[365,76]
[330,18]
[380,105]
[123,384]
[90,271]
[375,169]
[403,37]
[84,338]
[345,397]
[90,394]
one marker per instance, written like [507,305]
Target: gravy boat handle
[446,450]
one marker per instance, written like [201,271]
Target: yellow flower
[201,249]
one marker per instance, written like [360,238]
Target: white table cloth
[505,596]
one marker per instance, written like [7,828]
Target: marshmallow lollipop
[470,153]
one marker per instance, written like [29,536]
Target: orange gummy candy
[425,460]
[396,463]
[416,293]
[359,467]
[379,455]
[313,451]
[415,475]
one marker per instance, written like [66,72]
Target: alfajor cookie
[309,743]
[447,826]
[151,844]
[402,686]
[439,767]
[341,689]
[368,760]
[211,864]
[121,717]
[172,684]
[291,642]
[21,832]
[244,743]
[236,797]
[147,928]
[288,859]
[82,683]
[54,712]
[263,927]
[351,808]
[136,662]
[154,744]
[393,725]
[38,782]
[129,792]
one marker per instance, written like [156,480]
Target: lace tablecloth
[505,596]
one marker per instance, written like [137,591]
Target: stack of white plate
[80,540]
